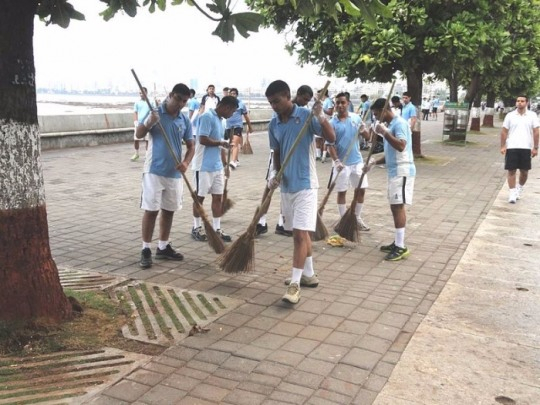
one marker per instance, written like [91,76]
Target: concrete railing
[65,131]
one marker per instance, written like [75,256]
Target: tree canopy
[61,12]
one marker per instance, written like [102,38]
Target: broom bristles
[239,258]
[320,230]
[227,205]
[246,147]
[214,240]
[347,226]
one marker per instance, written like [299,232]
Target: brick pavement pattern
[340,343]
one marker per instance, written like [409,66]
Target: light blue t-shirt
[193,104]
[142,110]
[300,173]
[235,121]
[400,163]
[158,157]
[408,111]
[346,131]
[208,158]
[328,103]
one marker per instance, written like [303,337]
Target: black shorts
[517,159]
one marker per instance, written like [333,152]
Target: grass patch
[99,325]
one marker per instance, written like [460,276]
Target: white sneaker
[519,191]
[512,196]
[293,293]
[135,157]
[362,225]
[233,165]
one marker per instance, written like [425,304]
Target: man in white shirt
[519,143]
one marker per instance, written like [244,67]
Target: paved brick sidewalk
[341,342]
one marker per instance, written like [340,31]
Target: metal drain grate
[61,377]
[83,280]
[165,315]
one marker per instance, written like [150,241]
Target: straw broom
[347,227]
[240,257]
[246,147]
[320,230]
[214,240]
[227,203]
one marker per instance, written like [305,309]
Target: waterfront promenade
[457,322]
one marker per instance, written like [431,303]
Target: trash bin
[456,120]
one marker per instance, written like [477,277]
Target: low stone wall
[67,131]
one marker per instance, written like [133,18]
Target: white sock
[196,222]
[358,209]
[162,244]
[400,237]
[216,222]
[280,220]
[318,153]
[296,274]
[262,221]
[146,245]
[342,208]
[308,267]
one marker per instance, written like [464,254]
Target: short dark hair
[342,94]
[378,104]
[347,94]
[395,99]
[522,95]
[192,92]
[182,89]
[277,86]
[406,93]
[210,85]
[232,89]
[229,101]
[226,89]
[325,93]
[305,89]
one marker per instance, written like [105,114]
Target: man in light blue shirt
[408,112]
[299,182]
[209,163]
[399,160]
[235,124]
[348,161]
[162,186]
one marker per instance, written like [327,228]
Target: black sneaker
[146,258]
[280,230]
[224,236]
[169,253]
[261,229]
[387,248]
[198,234]
[397,253]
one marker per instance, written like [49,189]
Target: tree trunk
[475,112]
[414,87]
[490,110]
[453,85]
[31,289]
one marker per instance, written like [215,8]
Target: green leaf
[245,22]
[225,30]
[130,7]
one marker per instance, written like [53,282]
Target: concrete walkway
[457,322]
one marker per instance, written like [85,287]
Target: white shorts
[349,177]
[299,210]
[160,192]
[209,182]
[139,139]
[400,190]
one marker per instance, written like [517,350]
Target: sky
[164,48]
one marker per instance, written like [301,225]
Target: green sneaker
[305,281]
[387,248]
[397,253]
